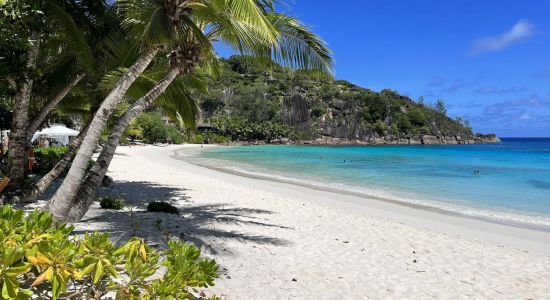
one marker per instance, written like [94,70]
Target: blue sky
[488,60]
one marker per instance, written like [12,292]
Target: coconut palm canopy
[172,42]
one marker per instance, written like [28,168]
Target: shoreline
[497,217]
[499,232]
[415,139]
[275,240]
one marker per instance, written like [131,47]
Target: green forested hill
[254,102]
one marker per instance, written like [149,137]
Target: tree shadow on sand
[199,224]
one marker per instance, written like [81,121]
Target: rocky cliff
[273,104]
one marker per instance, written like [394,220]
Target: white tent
[59,132]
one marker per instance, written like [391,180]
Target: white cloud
[521,31]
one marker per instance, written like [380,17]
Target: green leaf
[87,270]
[75,35]
[24,294]
[55,287]
[18,269]
[10,288]
[98,274]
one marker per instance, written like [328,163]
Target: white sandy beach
[280,241]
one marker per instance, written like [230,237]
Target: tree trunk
[87,192]
[18,134]
[62,200]
[50,105]
[39,187]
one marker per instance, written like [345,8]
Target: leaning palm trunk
[50,105]
[18,134]
[38,188]
[62,200]
[87,192]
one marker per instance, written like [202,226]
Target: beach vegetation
[41,259]
[135,222]
[215,138]
[197,139]
[242,129]
[161,206]
[110,202]
[47,157]
[152,128]
[158,224]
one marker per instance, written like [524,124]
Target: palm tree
[173,92]
[296,46]
[163,24]
[61,53]
[18,134]
[64,46]
[76,60]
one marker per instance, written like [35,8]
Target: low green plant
[158,224]
[161,206]
[214,138]
[134,221]
[42,260]
[155,130]
[112,203]
[241,129]
[197,139]
[47,157]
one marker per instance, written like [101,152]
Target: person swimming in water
[476,172]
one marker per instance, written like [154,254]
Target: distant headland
[254,103]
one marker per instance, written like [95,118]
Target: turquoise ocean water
[513,181]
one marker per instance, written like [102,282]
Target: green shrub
[41,260]
[112,203]
[155,130]
[213,138]
[380,127]
[241,129]
[161,206]
[197,139]
[317,112]
[174,135]
[46,158]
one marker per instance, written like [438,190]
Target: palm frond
[118,50]
[178,102]
[241,24]
[74,104]
[146,21]
[298,47]
[75,39]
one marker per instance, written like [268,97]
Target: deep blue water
[513,180]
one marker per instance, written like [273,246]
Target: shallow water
[513,181]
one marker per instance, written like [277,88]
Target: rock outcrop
[324,111]
[402,140]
